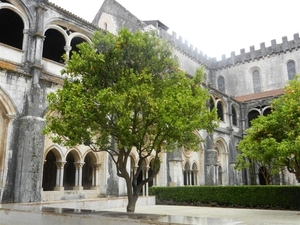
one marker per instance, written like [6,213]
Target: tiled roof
[266,94]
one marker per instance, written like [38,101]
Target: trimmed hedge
[277,197]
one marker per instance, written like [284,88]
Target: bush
[275,197]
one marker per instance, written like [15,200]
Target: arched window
[267,111]
[221,84]
[76,41]
[186,174]
[211,103]
[291,69]
[234,116]
[220,110]
[256,81]
[252,115]
[194,175]
[54,45]
[11,28]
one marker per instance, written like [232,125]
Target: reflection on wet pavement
[49,214]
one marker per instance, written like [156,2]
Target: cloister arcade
[70,170]
[56,40]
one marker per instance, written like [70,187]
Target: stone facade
[34,36]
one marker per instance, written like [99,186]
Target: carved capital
[79,164]
[11,117]
[96,165]
[60,164]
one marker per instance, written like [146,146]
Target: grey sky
[215,27]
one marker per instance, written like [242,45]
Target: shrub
[276,197]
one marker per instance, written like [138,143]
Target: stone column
[59,176]
[28,181]
[175,176]
[196,177]
[6,158]
[68,48]
[147,184]
[190,177]
[211,160]
[95,177]
[78,176]
[143,178]
[25,45]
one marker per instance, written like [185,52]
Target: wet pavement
[36,214]
[220,216]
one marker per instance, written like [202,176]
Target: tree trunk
[131,203]
[132,195]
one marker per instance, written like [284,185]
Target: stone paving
[45,214]
[220,216]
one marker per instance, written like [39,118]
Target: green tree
[125,93]
[273,141]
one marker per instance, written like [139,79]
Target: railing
[52,66]
[10,53]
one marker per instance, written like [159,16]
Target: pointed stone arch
[222,161]
[72,179]
[7,103]
[7,114]
[55,43]
[21,29]
[187,173]
[234,115]
[218,102]
[56,150]
[52,160]
[194,175]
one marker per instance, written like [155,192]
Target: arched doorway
[3,134]
[69,172]
[150,172]
[88,171]
[263,175]
[7,114]
[49,172]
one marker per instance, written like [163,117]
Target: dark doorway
[69,172]
[87,171]
[49,172]
[150,172]
[263,174]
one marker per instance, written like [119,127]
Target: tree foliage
[273,141]
[125,93]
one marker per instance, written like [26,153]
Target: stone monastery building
[35,34]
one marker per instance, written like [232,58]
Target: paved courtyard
[220,216]
[75,214]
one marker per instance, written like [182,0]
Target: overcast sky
[215,27]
